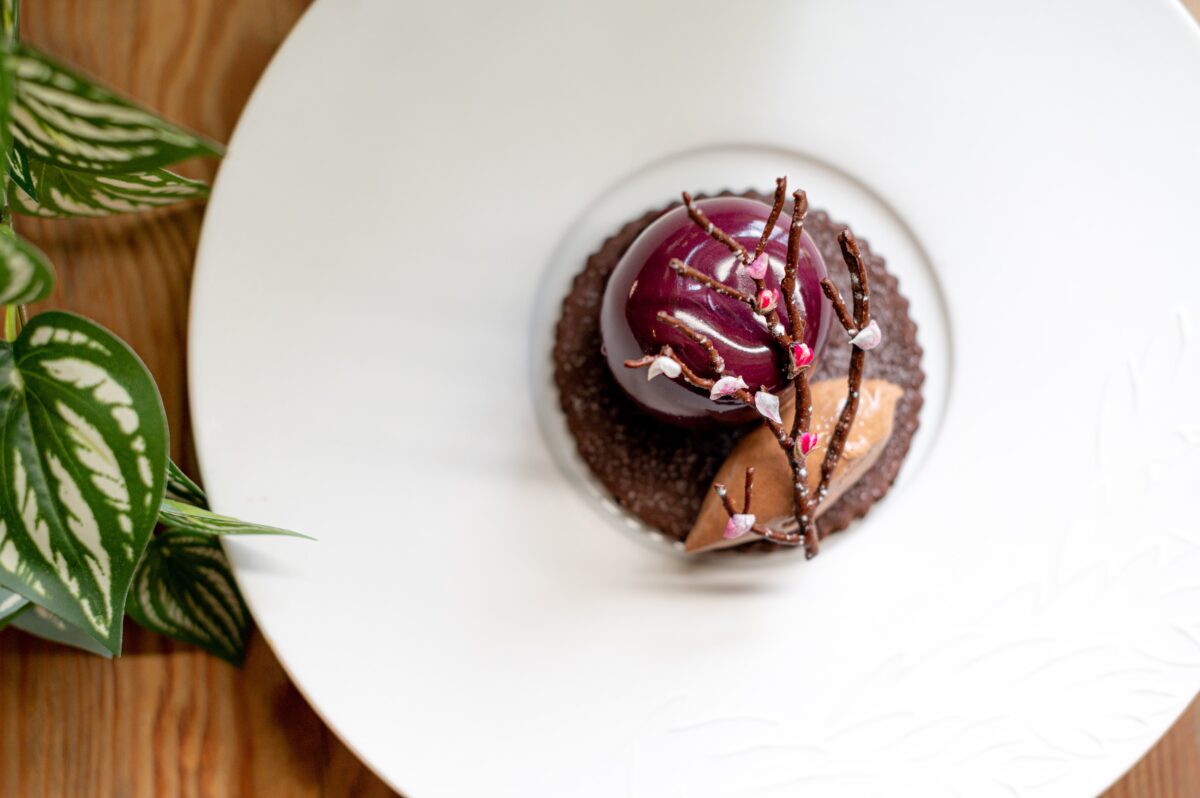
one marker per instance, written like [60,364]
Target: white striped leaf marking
[42,623]
[185,589]
[25,273]
[18,171]
[10,604]
[63,118]
[7,89]
[83,460]
[181,487]
[54,192]
[186,518]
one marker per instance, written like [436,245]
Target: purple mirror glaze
[643,284]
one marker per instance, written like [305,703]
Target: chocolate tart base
[661,473]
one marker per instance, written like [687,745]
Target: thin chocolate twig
[775,536]
[858,357]
[788,284]
[733,245]
[772,217]
[743,395]
[782,538]
[837,440]
[802,418]
[685,370]
[716,233]
[683,270]
[858,277]
[805,507]
[749,489]
[799,376]
[714,357]
[839,306]
[723,495]
[805,502]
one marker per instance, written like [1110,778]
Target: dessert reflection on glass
[739,373]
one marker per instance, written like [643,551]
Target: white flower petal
[768,406]
[758,267]
[868,337]
[663,365]
[726,386]
[739,524]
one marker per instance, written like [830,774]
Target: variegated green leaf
[186,518]
[18,171]
[25,273]
[62,193]
[185,589]
[7,86]
[65,119]
[10,604]
[40,622]
[181,487]
[83,461]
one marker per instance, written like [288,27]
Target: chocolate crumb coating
[660,473]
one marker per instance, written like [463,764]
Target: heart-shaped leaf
[65,119]
[42,623]
[185,589]
[10,604]
[83,459]
[54,192]
[25,273]
[186,518]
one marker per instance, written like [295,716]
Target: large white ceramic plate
[405,197]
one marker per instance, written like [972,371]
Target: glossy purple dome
[643,284]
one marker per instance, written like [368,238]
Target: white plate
[1020,616]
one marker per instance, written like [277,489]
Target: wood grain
[165,720]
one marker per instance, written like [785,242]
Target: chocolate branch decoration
[795,356]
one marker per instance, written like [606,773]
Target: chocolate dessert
[683,345]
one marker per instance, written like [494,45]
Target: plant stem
[10,29]
[10,19]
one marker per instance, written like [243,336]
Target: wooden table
[166,720]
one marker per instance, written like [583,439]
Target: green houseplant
[96,522]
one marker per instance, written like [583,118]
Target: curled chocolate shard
[773,489]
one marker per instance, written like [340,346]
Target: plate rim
[194,389]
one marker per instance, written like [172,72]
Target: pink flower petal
[739,524]
[767,299]
[727,386]
[802,355]
[767,405]
[808,442]
[757,268]
[868,337]
[663,365]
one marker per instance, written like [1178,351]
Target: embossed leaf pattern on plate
[1059,693]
